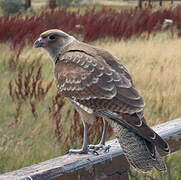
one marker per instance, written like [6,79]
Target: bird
[98,84]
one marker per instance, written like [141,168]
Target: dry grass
[154,65]
[38,4]
[131,3]
[117,3]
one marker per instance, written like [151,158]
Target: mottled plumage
[98,84]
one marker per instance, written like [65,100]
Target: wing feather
[84,78]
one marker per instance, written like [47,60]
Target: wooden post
[110,165]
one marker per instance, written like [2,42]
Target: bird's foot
[78,151]
[99,146]
[83,151]
[96,146]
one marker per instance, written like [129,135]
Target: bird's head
[53,41]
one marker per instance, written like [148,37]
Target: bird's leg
[84,149]
[103,139]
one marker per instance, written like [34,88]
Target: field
[38,124]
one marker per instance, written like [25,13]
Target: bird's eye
[52,37]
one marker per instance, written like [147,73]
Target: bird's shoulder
[85,61]
[79,75]
[78,52]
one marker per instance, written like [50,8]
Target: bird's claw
[107,148]
[99,146]
[83,151]
[95,147]
[94,152]
[91,148]
[78,151]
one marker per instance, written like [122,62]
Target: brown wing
[93,83]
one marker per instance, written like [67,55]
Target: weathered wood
[70,167]
[92,167]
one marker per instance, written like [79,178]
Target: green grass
[155,66]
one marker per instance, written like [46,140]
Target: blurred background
[36,122]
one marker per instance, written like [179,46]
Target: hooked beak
[40,43]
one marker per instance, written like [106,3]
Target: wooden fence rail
[107,165]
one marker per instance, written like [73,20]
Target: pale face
[53,41]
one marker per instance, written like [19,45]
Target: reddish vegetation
[27,86]
[92,25]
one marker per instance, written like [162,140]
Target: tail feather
[142,155]
[137,140]
[161,166]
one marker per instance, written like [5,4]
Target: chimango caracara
[97,84]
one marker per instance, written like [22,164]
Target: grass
[37,4]
[25,139]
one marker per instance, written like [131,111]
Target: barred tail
[140,153]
